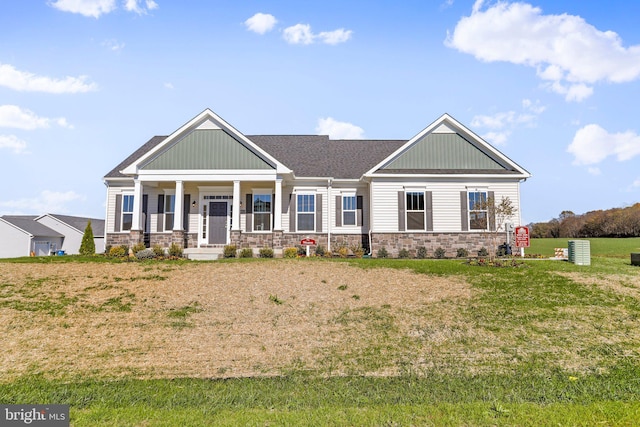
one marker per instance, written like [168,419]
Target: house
[24,235]
[208,185]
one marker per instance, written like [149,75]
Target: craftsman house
[208,185]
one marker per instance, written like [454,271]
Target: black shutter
[318,213]
[491,211]
[464,211]
[185,212]
[401,211]
[292,212]
[160,226]
[338,211]
[249,212]
[118,212]
[428,195]
[359,207]
[145,211]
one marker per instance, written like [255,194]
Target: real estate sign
[522,237]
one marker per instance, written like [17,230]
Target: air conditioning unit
[580,252]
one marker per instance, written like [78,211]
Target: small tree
[88,246]
[498,214]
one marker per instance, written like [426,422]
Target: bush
[158,251]
[246,253]
[382,252]
[138,247]
[483,252]
[175,250]
[88,246]
[357,250]
[145,254]
[422,252]
[320,251]
[230,251]
[440,253]
[290,253]
[118,251]
[343,252]
[462,253]
[302,250]
[403,254]
[266,253]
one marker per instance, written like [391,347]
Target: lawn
[601,247]
[325,342]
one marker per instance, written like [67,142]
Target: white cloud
[113,44]
[46,201]
[339,130]
[636,183]
[261,23]
[168,86]
[569,54]
[501,124]
[12,116]
[91,8]
[13,143]
[302,34]
[135,6]
[497,138]
[28,82]
[334,37]
[592,144]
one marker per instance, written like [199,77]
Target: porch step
[204,254]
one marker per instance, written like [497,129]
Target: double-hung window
[127,212]
[349,207]
[478,210]
[415,210]
[169,211]
[261,212]
[306,214]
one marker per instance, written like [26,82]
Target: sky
[554,85]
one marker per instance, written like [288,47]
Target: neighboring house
[208,185]
[24,235]
[72,228]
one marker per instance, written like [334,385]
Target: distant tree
[88,246]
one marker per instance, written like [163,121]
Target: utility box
[580,252]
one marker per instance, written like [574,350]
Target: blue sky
[554,85]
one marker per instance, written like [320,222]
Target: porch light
[193,204]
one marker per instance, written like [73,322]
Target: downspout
[370,217]
[329,183]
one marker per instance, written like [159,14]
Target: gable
[207,149]
[443,151]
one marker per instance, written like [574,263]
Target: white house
[72,228]
[208,185]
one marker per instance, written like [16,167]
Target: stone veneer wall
[450,242]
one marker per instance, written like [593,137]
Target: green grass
[600,247]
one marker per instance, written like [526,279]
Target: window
[127,212]
[478,212]
[306,212]
[415,210]
[169,211]
[349,207]
[262,212]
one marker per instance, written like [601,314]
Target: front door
[217,223]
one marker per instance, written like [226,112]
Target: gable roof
[79,223]
[145,148]
[28,224]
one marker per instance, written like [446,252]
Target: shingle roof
[80,223]
[306,155]
[27,223]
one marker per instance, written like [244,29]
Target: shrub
[145,254]
[422,252]
[158,250]
[88,246]
[230,251]
[462,253]
[320,251]
[107,249]
[290,253]
[439,253]
[343,252]
[175,250]
[483,251]
[382,252]
[266,253]
[138,247]
[246,253]
[357,250]
[403,253]
[302,250]
[117,252]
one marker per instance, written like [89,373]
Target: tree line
[616,222]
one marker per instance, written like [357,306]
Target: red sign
[308,242]
[522,237]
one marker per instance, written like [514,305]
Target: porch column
[277,208]
[179,210]
[137,206]
[235,219]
